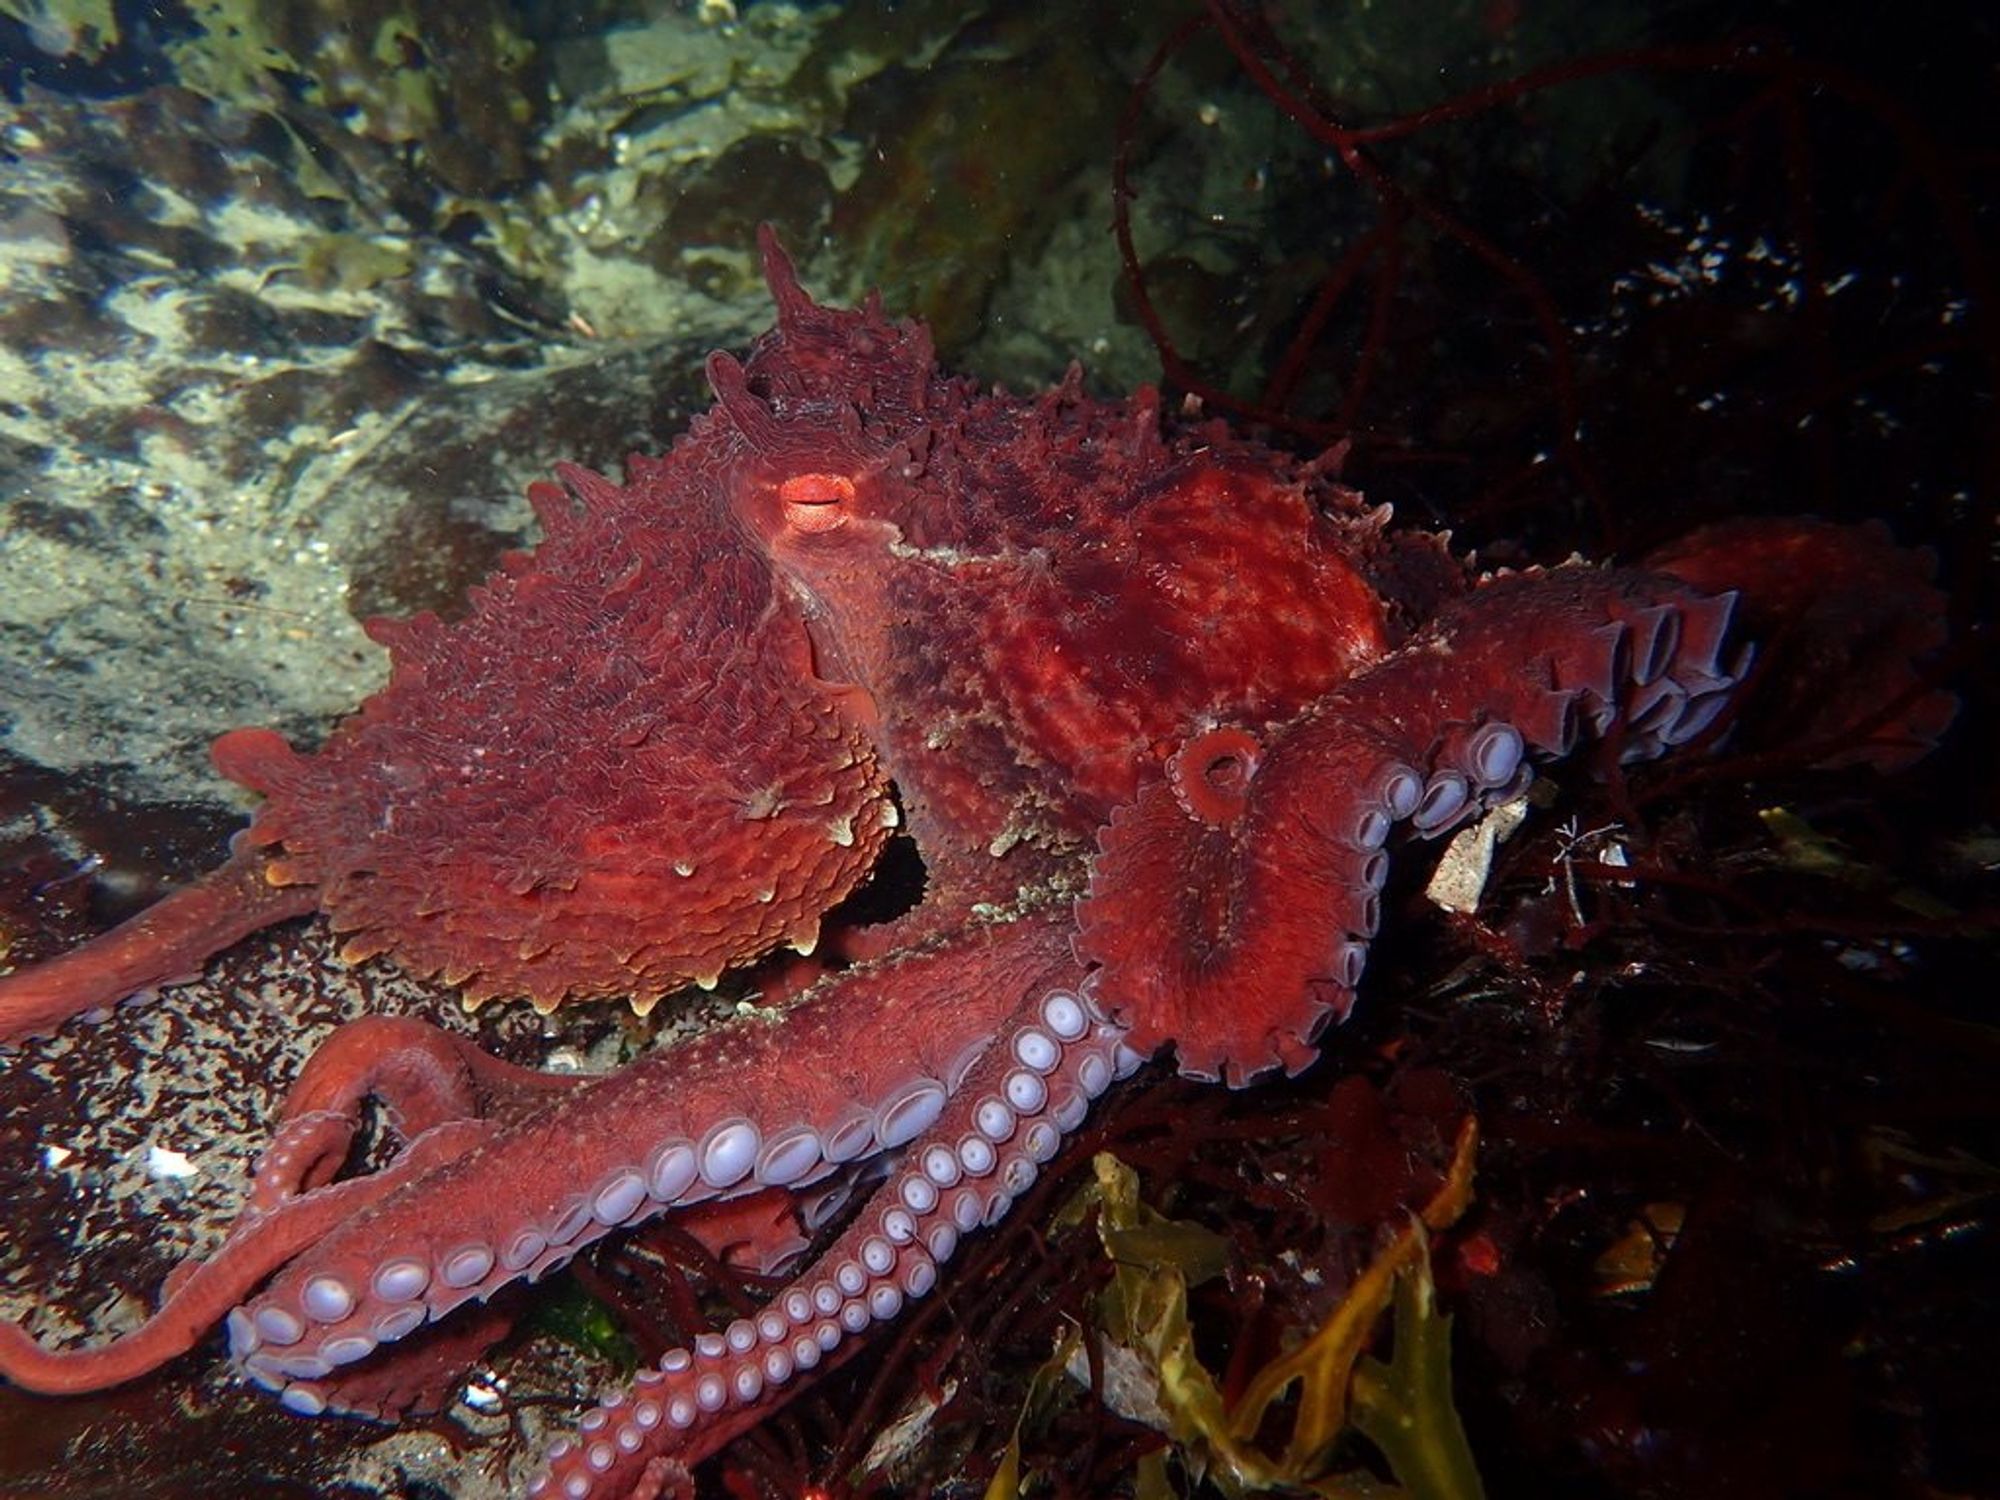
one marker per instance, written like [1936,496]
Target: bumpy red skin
[1152,706]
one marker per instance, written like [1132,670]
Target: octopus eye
[816,502]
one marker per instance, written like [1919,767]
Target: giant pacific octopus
[1156,705]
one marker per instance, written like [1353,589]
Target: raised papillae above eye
[816,502]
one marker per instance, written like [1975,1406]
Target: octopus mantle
[1155,709]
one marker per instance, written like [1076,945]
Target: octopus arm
[1272,851]
[1053,1054]
[200,1295]
[165,944]
[323,1282]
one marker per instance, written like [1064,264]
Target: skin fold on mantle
[1155,707]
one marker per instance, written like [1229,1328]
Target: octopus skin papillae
[1155,707]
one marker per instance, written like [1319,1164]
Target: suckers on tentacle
[1033,1085]
[685,1126]
[1239,939]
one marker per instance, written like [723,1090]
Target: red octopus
[1152,707]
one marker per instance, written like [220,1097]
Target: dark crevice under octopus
[1156,706]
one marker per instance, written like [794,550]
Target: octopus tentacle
[165,944]
[691,1125]
[1030,1088]
[355,1265]
[199,1296]
[1264,931]
[420,1075]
